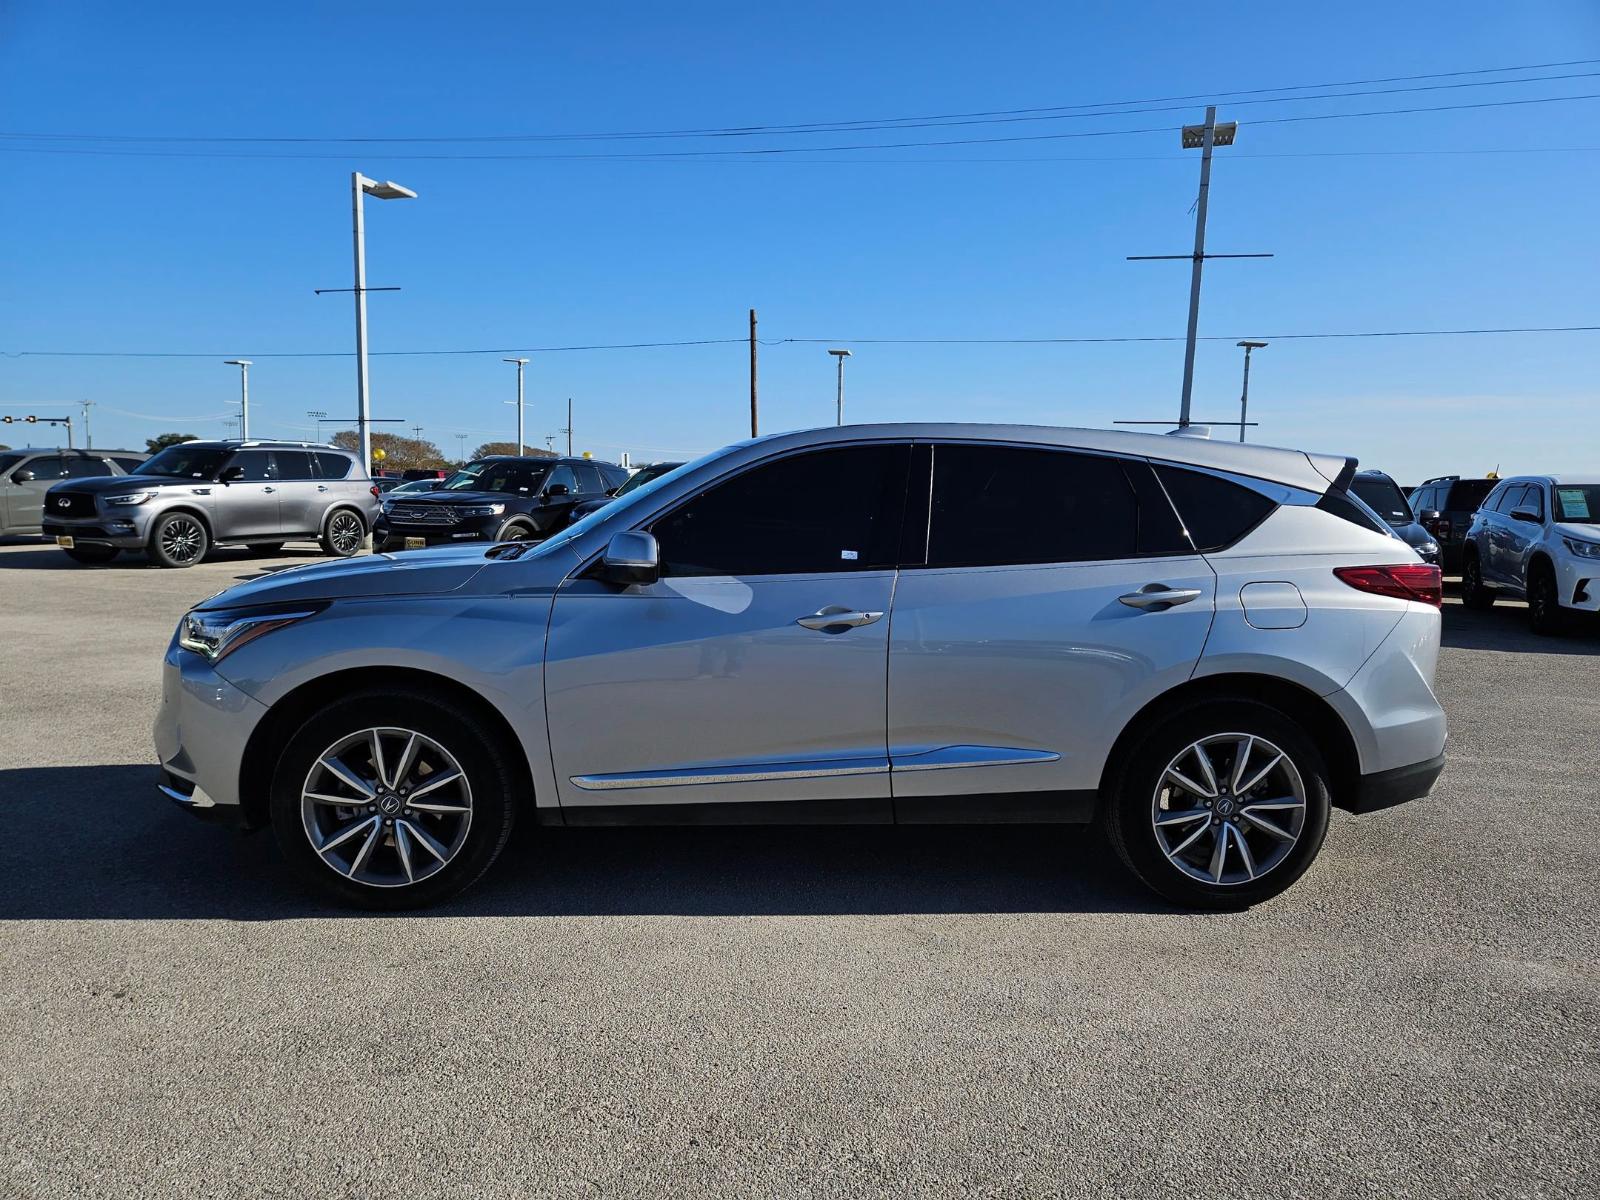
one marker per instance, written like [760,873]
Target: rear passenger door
[1027,626]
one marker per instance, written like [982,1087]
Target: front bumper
[1578,582]
[201,730]
[101,530]
[477,530]
[1385,789]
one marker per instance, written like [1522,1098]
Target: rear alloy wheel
[392,800]
[90,554]
[1545,617]
[1221,806]
[342,533]
[1473,594]
[178,540]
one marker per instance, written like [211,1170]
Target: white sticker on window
[1574,504]
[849,555]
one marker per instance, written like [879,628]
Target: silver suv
[1204,646]
[26,474]
[198,494]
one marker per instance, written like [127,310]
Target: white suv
[1537,537]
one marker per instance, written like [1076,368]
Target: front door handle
[269,489]
[836,616]
[322,487]
[1158,597]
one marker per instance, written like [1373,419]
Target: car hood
[416,572]
[1578,530]
[100,484]
[438,497]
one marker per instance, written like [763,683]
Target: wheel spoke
[1189,785]
[365,852]
[378,764]
[345,834]
[1281,802]
[1190,840]
[435,782]
[1267,826]
[1219,854]
[1244,851]
[1260,775]
[408,759]
[1206,769]
[337,801]
[347,777]
[402,843]
[427,840]
[1182,818]
[1241,758]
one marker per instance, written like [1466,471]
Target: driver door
[718,684]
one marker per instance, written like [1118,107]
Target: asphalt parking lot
[908,1012]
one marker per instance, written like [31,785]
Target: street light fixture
[244,365]
[1244,396]
[521,362]
[841,355]
[361,186]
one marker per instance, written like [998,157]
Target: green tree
[400,453]
[489,448]
[162,440]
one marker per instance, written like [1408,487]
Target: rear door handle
[835,616]
[1158,597]
[322,487]
[269,489]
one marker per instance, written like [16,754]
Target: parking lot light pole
[521,363]
[1244,396]
[841,355]
[361,186]
[244,394]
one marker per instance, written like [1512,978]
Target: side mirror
[22,476]
[1525,514]
[556,489]
[631,557]
[229,474]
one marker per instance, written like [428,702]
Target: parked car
[1444,507]
[503,498]
[1383,496]
[638,479]
[27,474]
[200,494]
[1204,646]
[386,483]
[412,486]
[1537,537]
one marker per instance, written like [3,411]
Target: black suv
[503,498]
[1383,496]
[1444,507]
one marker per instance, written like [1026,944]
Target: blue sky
[220,255]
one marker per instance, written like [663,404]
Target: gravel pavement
[828,1012]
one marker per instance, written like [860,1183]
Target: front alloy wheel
[178,540]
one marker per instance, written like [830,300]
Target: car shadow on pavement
[102,845]
[50,558]
[1505,628]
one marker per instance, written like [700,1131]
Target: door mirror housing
[555,490]
[22,476]
[229,474]
[1525,514]
[631,557]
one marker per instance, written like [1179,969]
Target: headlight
[222,631]
[482,510]
[1582,549]
[131,498]
[1428,548]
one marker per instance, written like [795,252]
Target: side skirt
[988,808]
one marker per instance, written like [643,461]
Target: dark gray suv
[193,496]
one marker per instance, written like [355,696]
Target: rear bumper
[1385,789]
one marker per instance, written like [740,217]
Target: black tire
[264,549]
[516,531]
[1128,805]
[90,554]
[1474,594]
[178,539]
[487,764]
[1545,616]
[343,531]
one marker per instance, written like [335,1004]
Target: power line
[992,116]
[857,341]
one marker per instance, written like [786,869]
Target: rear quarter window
[1216,512]
[333,466]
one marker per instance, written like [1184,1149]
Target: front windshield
[644,475]
[186,462]
[506,475]
[1578,503]
[1384,497]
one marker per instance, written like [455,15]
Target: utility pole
[521,362]
[841,355]
[461,446]
[88,437]
[319,416]
[755,424]
[1204,138]
[361,186]
[244,394]
[1244,396]
[416,432]
[568,429]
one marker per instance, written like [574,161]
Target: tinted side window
[1510,498]
[1467,494]
[45,468]
[127,464]
[589,481]
[561,473]
[256,464]
[1342,506]
[1421,500]
[1495,501]
[86,468]
[827,510]
[613,477]
[331,465]
[292,464]
[1532,498]
[994,505]
[1216,513]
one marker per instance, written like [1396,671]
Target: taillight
[1421,582]
[375,492]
